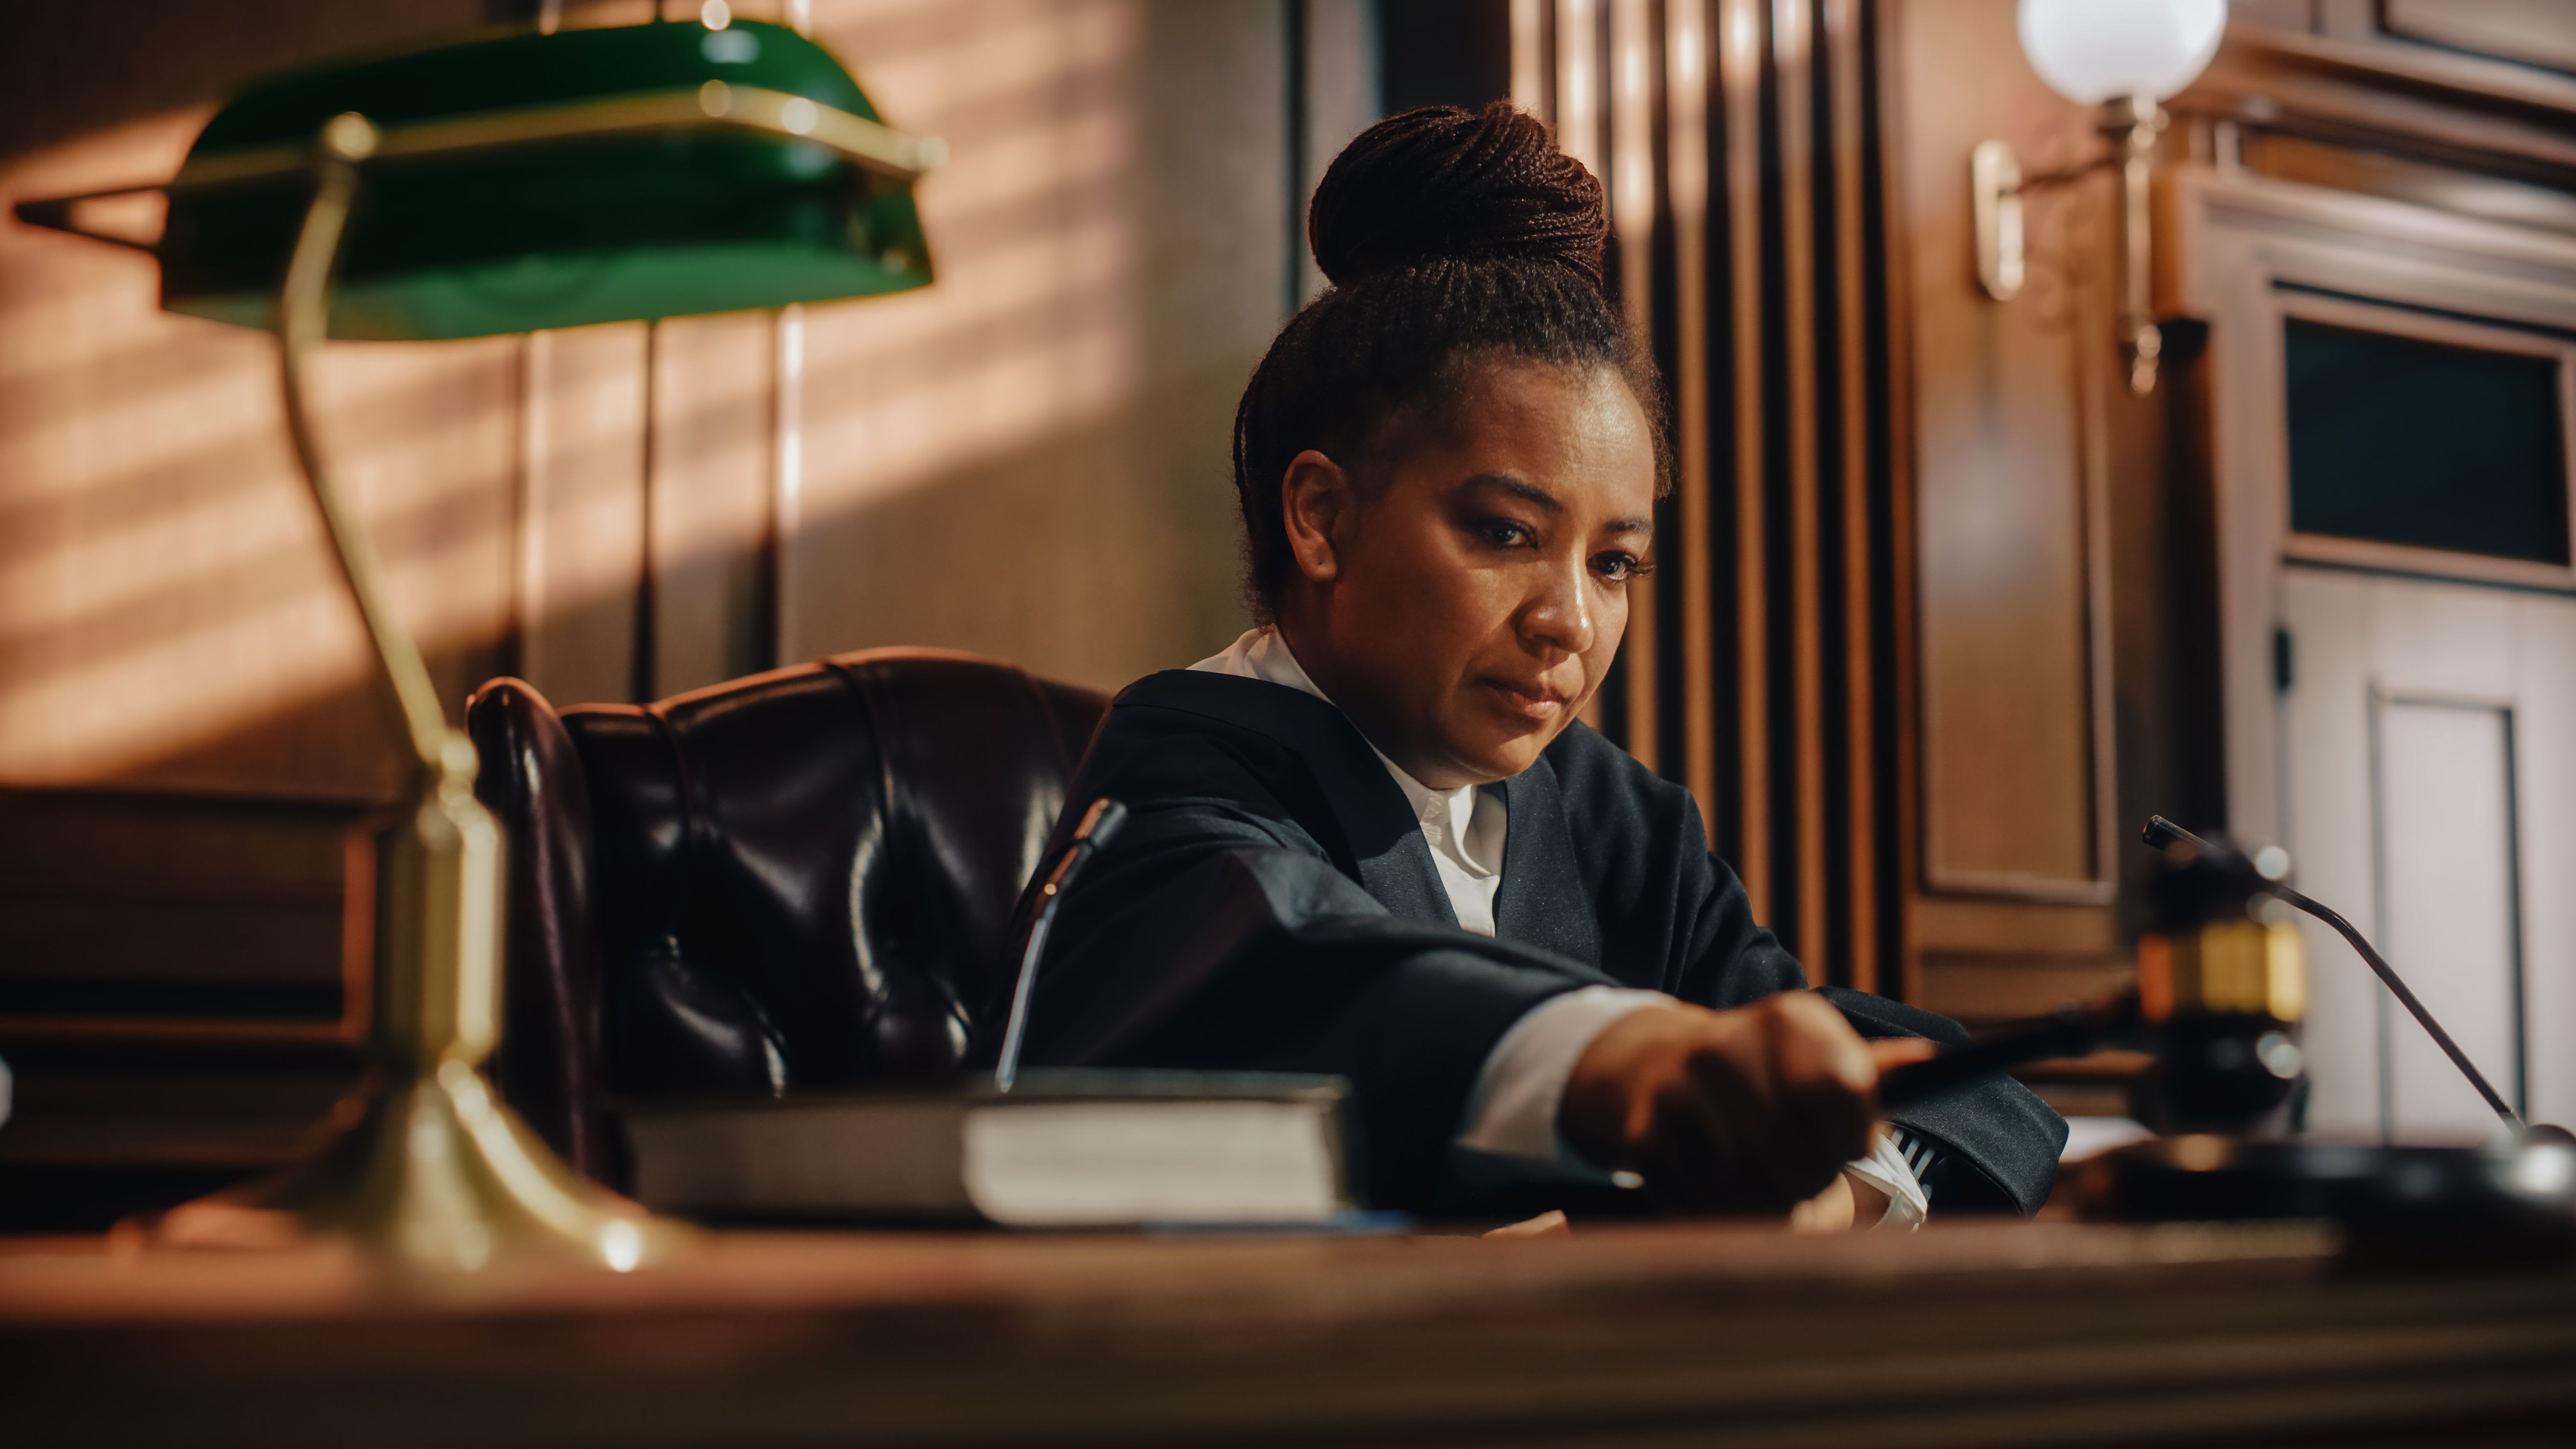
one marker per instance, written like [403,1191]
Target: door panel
[2544,643]
[2448,882]
[2427,795]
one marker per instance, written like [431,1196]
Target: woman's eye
[1620,567]
[1503,533]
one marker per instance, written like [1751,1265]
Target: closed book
[1061,1150]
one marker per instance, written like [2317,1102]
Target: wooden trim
[2014,885]
[2378,171]
[2331,218]
[173,1031]
[2402,322]
[1687,79]
[358,928]
[2429,563]
[2468,80]
[2452,331]
[2478,29]
[1860,665]
[2019,928]
[2277,91]
[2095,394]
[1740,72]
[1979,988]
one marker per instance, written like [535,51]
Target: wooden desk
[1963,1334]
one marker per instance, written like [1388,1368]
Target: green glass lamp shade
[528,181]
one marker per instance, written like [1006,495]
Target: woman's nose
[1559,616]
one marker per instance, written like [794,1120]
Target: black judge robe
[1271,904]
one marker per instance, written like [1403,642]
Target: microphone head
[2161,833]
[1100,822]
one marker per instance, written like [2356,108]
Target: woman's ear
[1315,502]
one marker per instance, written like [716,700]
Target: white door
[2428,765]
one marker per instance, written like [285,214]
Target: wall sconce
[2125,56]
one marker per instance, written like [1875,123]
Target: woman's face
[1465,607]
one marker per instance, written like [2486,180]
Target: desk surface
[1962,1334]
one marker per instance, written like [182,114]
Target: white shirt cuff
[1887,1170]
[1512,1112]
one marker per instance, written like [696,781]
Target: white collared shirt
[1509,1127]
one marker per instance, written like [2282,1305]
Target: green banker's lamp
[503,184]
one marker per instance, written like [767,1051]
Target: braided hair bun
[1442,183]
[1453,239]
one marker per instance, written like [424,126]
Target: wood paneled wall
[2009,412]
[1913,527]
[1769,669]
[1027,459]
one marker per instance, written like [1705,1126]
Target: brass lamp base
[431,1172]
[425,1168]
[424,1164]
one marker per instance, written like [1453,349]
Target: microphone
[2221,989]
[1099,823]
[2162,834]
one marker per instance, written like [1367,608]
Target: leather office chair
[801,878]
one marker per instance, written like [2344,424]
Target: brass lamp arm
[2064,174]
[303,314]
[425,1165]
[1996,189]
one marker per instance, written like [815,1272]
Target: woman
[1371,838]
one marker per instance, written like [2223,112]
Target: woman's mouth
[1530,700]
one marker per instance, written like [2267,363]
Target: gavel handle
[2071,1032]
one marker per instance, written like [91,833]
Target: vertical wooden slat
[1574,107]
[1686,151]
[1860,665]
[1740,71]
[1792,58]
[1529,57]
[1632,210]
[1902,668]
[1806,783]
[1578,81]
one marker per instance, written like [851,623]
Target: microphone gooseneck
[2161,833]
[1099,823]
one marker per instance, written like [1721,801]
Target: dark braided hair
[1451,238]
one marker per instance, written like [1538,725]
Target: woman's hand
[1753,1110]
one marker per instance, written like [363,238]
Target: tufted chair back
[801,878]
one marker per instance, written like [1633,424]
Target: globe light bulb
[2093,51]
